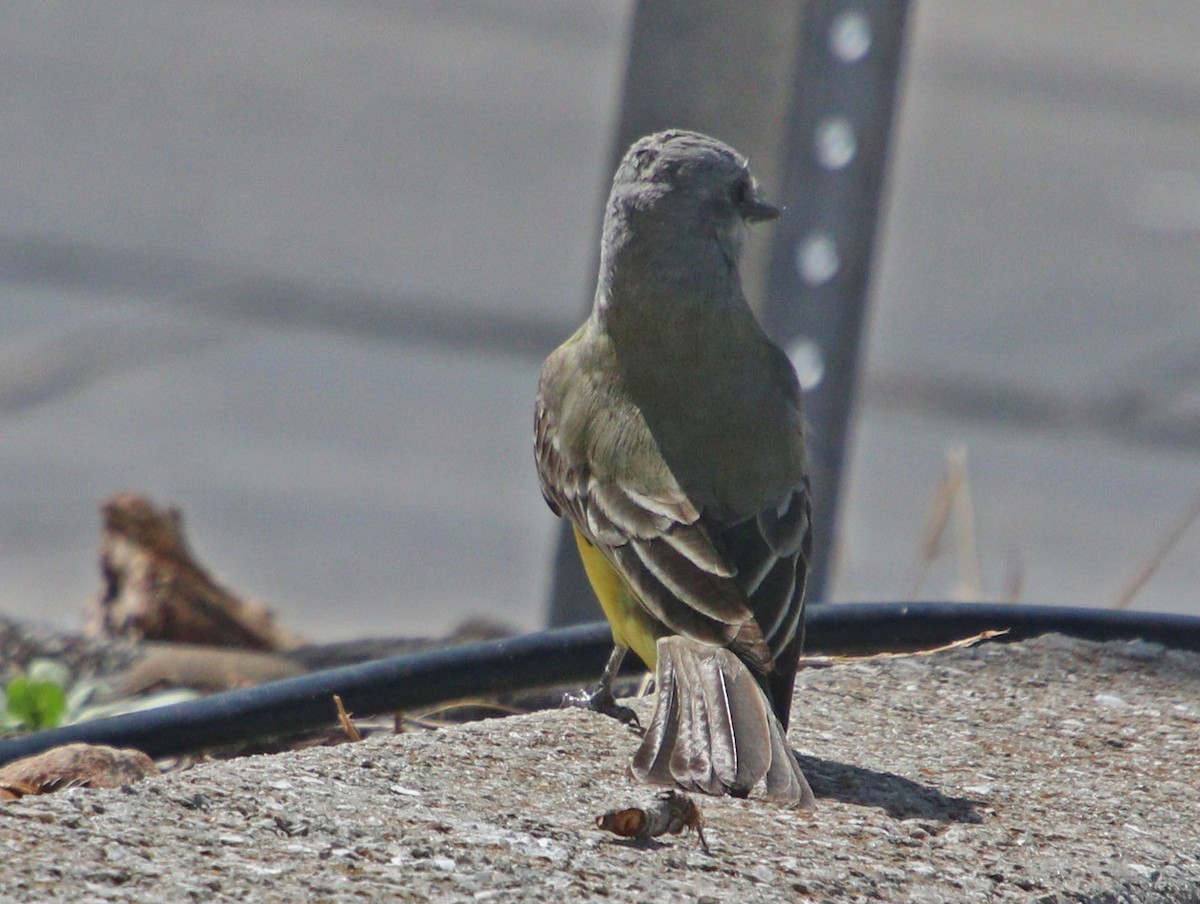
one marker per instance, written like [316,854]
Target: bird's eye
[739,192]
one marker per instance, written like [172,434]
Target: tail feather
[785,781]
[652,762]
[713,730]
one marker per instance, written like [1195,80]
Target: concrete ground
[248,253]
[1055,771]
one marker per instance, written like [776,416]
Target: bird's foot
[601,700]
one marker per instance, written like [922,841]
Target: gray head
[678,185]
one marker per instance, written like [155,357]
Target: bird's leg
[601,699]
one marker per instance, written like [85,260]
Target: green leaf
[36,704]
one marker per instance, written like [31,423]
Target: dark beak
[756,210]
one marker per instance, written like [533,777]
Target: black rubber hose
[558,657]
[877,627]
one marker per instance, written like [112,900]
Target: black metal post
[816,298]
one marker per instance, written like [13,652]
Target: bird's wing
[772,551]
[669,552]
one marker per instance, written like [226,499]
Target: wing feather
[738,583]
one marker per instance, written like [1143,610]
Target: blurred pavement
[251,258]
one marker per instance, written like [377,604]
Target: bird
[668,431]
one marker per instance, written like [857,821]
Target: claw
[601,700]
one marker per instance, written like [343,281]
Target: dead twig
[348,726]
[155,589]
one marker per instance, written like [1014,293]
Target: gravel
[1049,771]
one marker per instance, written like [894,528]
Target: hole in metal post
[850,37]
[835,142]
[809,361]
[817,259]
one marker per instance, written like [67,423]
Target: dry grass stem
[940,507]
[965,539]
[1014,575]
[952,501]
[824,662]
[1150,565]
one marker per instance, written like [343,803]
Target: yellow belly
[631,625]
